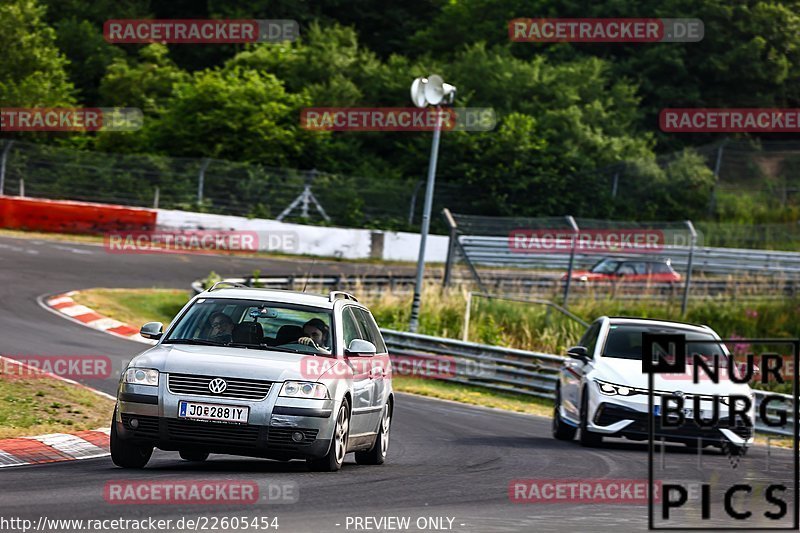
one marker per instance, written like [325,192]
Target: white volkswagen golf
[602,390]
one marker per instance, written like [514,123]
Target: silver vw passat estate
[261,373]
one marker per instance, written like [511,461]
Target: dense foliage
[564,110]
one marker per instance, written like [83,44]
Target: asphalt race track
[445,459]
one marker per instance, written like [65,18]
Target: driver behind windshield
[221,327]
[316,335]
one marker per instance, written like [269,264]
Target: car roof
[638,321]
[635,259]
[275,295]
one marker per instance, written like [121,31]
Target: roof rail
[231,283]
[338,295]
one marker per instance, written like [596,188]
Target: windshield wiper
[262,347]
[282,349]
[194,341]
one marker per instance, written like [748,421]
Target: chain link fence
[214,186]
[754,184]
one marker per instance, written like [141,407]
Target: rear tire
[377,454]
[587,438]
[126,454]
[193,456]
[561,430]
[333,460]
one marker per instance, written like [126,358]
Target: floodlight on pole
[424,92]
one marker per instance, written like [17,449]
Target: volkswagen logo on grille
[217,385]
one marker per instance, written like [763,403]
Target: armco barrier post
[451,246]
[201,181]
[575,230]
[692,242]
[3,161]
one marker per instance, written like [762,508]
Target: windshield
[625,342]
[606,266]
[255,324]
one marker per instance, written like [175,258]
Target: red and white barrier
[62,216]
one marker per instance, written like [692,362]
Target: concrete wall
[291,238]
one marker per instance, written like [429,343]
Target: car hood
[228,362]
[629,372]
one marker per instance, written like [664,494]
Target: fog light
[297,436]
[134,423]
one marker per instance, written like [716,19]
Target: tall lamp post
[424,92]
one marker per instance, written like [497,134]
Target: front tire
[126,454]
[377,454]
[561,431]
[333,460]
[587,438]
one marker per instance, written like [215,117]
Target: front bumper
[274,424]
[615,420]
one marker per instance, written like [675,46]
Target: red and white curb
[54,447]
[66,306]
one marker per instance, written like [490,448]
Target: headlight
[142,376]
[610,389]
[304,389]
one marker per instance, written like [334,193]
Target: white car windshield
[255,324]
[625,342]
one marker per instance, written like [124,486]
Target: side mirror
[361,347]
[579,352]
[152,330]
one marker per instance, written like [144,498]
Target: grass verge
[135,306]
[37,405]
[472,395]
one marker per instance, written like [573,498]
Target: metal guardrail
[517,371]
[539,285]
[492,367]
[496,252]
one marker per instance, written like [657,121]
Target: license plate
[688,413]
[213,412]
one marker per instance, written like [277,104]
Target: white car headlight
[611,389]
[304,389]
[142,376]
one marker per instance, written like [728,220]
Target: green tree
[32,70]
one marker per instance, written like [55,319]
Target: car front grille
[212,432]
[238,388]
[282,437]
